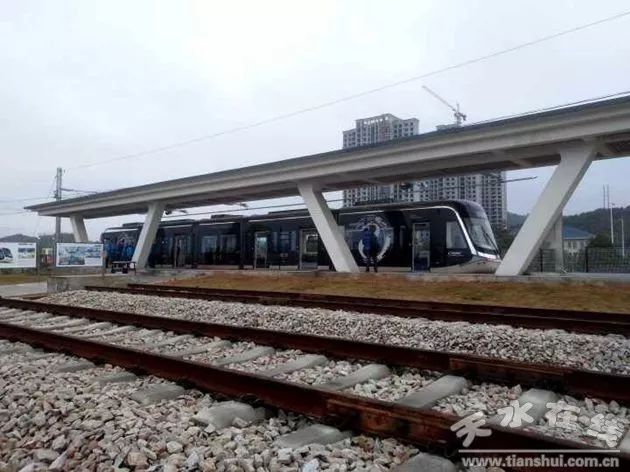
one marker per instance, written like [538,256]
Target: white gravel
[268,362]
[321,373]
[484,397]
[402,383]
[68,422]
[609,353]
[218,354]
[591,421]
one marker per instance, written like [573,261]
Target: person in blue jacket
[128,252]
[109,253]
[370,247]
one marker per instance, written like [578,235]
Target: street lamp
[623,240]
[612,229]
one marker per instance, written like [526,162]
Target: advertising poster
[79,255]
[18,255]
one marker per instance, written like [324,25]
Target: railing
[594,259]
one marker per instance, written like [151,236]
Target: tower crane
[459,116]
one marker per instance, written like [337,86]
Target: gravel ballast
[69,422]
[400,384]
[609,353]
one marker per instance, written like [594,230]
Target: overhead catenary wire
[555,107]
[354,96]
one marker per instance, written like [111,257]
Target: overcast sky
[86,82]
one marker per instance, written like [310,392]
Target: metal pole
[58,179]
[612,231]
[586,258]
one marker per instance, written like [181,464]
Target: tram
[451,236]
[6,256]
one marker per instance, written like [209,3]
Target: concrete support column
[78,229]
[331,234]
[574,161]
[147,235]
[555,242]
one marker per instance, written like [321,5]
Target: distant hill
[44,240]
[594,221]
[515,221]
[18,238]
[598,221]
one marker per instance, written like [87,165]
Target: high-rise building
[487,188]
[375,130]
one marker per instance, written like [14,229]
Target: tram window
[228,243]
[454,236]
[294,243]
[311,242]
[208,244]
[285,242]
[402,230]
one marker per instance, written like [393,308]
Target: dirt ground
[578,296]
[12,279]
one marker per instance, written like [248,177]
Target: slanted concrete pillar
[574,161]
[331,234]
[147,235]
[78,229]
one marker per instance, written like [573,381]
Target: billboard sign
[79,255]
[18,255]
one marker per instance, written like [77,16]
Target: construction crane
[459,116]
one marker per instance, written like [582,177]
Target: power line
[357,95]
[27,199]
[15,213]
[555,107]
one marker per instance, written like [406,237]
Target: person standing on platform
[370,248]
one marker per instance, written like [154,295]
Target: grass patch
[613,297]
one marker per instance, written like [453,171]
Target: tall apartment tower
[372,130]
[487,188]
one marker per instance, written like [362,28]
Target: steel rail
[561,379]
[425,428]
[539,318]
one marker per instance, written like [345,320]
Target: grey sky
[84,82]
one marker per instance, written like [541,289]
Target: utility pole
[608,206]
[58,191]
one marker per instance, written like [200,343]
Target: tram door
[180,249]
[421,247]
[309,246]
[261,247]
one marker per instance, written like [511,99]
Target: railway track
[147,344]
[540,318]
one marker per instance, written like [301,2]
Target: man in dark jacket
[370,248]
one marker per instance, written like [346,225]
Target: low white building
[575,240]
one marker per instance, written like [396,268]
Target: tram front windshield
[481,235]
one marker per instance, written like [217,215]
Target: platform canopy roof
[525,141]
